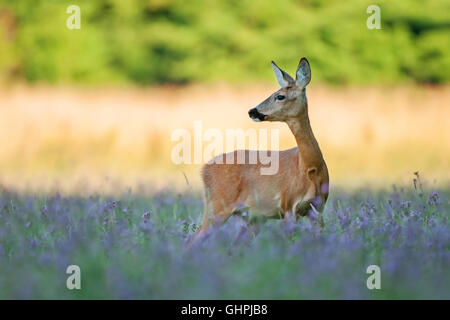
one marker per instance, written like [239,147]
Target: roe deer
[301,182]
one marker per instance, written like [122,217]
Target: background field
[133,247]
[86,118]
[109,139]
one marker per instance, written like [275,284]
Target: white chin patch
[256,120]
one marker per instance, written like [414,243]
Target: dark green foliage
[177,41]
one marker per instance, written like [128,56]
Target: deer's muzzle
[256,115]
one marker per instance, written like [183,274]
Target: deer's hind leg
[221,199]
[208,218]
[216,212]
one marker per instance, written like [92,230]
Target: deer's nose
[253,113]
[256,115]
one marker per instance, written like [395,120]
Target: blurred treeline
[178,41]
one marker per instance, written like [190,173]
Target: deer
[301,183]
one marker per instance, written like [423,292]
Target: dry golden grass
[105,139]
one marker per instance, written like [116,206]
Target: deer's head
[290,100]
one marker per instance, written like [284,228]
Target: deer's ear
[282,77]
[303,74]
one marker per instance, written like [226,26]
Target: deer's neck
[308,148]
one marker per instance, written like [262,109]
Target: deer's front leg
[289,221]
[249,231]
[316,217]
[289,217]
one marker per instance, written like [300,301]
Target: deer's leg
[244,235]
[289,216]
[315,212]
[250,230]
[311,209]
[206,211]
[209,218]
[289,221]
[214,214]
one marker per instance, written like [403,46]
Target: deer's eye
[280,97]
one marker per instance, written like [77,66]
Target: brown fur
[302,178]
